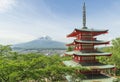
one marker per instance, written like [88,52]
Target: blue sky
[25,20]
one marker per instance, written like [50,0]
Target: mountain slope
[41,43]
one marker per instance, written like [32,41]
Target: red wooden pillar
[80,58]
[94,58]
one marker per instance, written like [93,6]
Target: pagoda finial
[84,16]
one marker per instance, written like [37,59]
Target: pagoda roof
[93,78]
[79,53]
[92,41]
[93,65]
[96,42]
[93,31]
[90,30]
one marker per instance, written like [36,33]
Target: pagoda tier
[82,53]
[92,66]
[86,45]
[93,42]
[95,67]
[89,32]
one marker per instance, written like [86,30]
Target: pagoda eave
[93,32]
[87,54]
[72,44]
[91,42]
[76,42]
[94,55]
[73,34]
[92,67]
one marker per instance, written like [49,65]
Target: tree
[5,50]
[15,67]
[70,48]
[115,58]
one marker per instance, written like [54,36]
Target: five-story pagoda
[85,53]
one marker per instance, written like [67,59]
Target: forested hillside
[16,67]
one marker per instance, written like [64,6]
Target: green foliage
[70,48]
[115,58]
[5,50]
[16,67]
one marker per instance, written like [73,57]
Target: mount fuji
[45,42]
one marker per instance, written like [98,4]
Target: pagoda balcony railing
[90,72]
[85,49]
[79,61]
[88,39]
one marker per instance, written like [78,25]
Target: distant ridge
[45,42]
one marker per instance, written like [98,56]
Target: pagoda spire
[84,16]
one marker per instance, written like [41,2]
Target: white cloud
[6,4]
[13,37]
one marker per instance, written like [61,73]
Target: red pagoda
[85,53]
